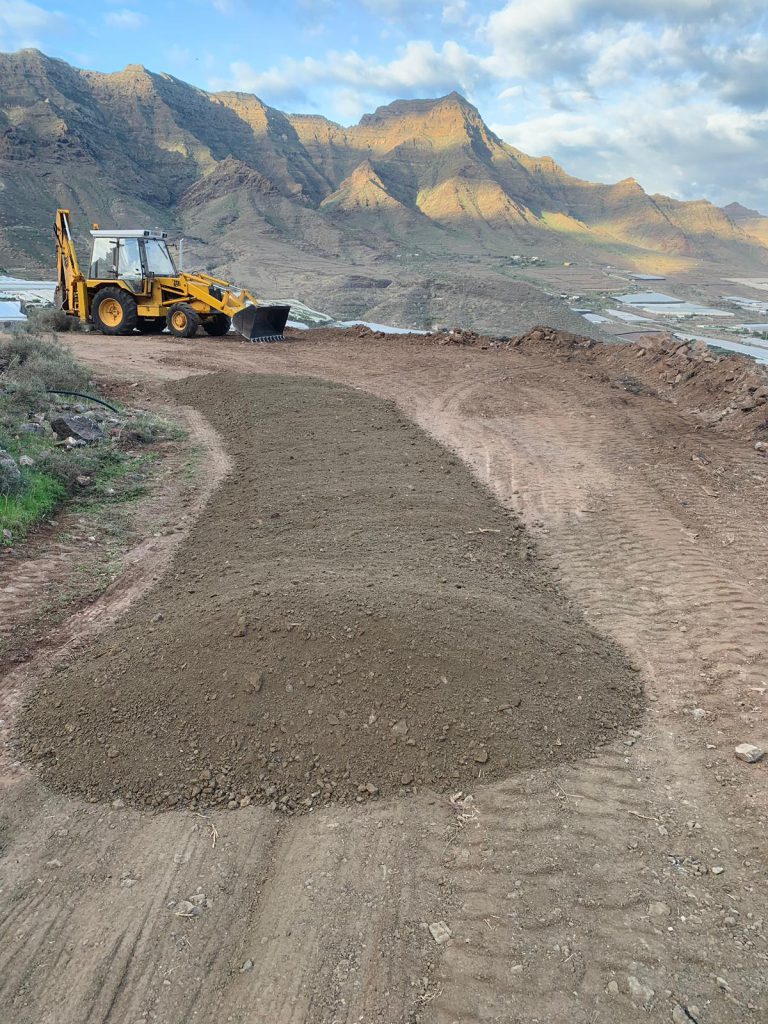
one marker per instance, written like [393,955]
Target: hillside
[295,204]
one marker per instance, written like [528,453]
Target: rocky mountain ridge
[240,178]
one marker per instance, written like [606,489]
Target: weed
[50,319]
[144,428]
[40,496]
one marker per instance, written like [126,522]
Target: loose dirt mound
[352,614]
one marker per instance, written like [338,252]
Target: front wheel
[217,325]
[182,320]
[113,311]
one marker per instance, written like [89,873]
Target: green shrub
[38,499]
[50,319]
[143,428]
[26,358]
[10,475]
[66,465]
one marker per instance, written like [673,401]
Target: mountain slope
[241,179]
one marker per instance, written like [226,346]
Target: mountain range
[412,196]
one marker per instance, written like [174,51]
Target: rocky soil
[370,621]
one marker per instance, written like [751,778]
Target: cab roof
[131,233]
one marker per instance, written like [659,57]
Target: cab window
[158,258]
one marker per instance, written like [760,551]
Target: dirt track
[571,880]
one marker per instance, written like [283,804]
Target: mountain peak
[400,109]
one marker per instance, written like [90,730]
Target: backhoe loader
[133,284]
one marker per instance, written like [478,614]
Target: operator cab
[131,257]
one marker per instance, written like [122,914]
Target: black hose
[90,398]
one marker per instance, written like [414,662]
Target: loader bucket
[261,323]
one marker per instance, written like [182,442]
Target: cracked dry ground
[587,890]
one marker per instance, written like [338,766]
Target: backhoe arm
[71,291]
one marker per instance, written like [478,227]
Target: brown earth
[351,615]
[629,884]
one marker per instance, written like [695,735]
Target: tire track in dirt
[595,844]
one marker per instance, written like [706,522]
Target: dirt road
[628,884]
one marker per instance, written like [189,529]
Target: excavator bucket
[261,323]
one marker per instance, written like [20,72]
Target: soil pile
[353,614]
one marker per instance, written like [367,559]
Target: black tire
[217,325]
[106,316]
[182,320]
[151,324]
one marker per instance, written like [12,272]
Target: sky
[671,92]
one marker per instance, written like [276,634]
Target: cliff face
[136,147]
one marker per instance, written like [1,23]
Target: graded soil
[352,615]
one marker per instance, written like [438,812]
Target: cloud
[670,137]
[125,18]
[419,68]
[23,24]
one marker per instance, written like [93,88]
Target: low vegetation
[42,462]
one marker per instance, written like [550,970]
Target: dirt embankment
[353,614]
[727,392]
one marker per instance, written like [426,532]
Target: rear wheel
[182,320]
[151,324]
[113,311]
[217,325]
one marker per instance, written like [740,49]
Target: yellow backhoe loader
[133,284]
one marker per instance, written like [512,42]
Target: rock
[749,752]
[698,714]
[681,1015]
[185,908]
[612,988]
[658,909]
[157,618]
[247,966]
[481,756]
[761,446]
[81,428]
[33,428]
[640,994]
[24,460]
[718,870]
[10,474]
[117,805]
[440,932]
[371,789]
[199,899]
[112,752]
[83,481]
[400,728]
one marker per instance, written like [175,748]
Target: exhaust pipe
[261,323]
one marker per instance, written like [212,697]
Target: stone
[658,909]
[440,932]
[749,752]
[112,752]
[718,870]
[247,966]
[117,805]
[699,714]
[25,460]
[81,428]
[199,899]
[612,988]
[185,908]
[481,756]
[400,728]
[640,994]
[681,1015]
[33,428]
